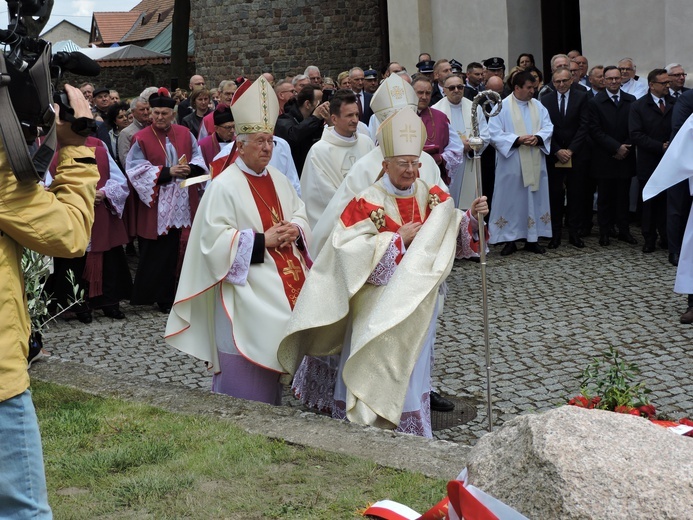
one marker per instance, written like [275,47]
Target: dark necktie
[661,105]
[615,98]
[358,102]
[563,104]
[677,93]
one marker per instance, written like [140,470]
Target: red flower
[596,400]
[625,409]
[647,410]
[580,401]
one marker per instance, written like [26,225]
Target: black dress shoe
[576,241]
[554,243]
[509,249]
[585,232]
[663,244]
[612,232]
[113,312]
[534,247]
[674,258]
[440,404]
[648,248]
[84,317]
[687,317]
[604,240]
[627,237]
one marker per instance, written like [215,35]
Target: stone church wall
[250,37]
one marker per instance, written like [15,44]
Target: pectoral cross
[293,270]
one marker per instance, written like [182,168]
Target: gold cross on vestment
[293,270]
[407,133]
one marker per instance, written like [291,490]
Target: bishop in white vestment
[382,268]
[246,261]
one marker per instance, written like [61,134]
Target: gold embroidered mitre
[255,107]
[393,94]
[403,133]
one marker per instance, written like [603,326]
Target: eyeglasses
[625,69]
[455,87]
[405,165]
[661,82]
[679,75]
[229,128]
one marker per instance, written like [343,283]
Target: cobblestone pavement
[549,316]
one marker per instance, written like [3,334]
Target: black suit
[679,196]
[471,92]
[608,128]
[366,110]
[650,128]
[436,95]
[569,132]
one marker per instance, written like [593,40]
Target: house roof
[116,53]
[113,26]
[158,14]
[162,43]
[67,23]
[65,46]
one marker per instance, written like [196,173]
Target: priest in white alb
[246,261]
[331,158]
[382,268]
[459,111]
[393,94]
[521,135]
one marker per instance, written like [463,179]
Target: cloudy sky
[76,11]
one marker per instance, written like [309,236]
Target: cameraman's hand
[66,137]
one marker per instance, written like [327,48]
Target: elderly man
[381,313]
[394,94]
[241,279]
[102,100]
[458,109]
[442,142]
[521,135]
[313,73]
[630,83]
[677,76]
[363,98]
[224,132]
[162,156]
[330,159]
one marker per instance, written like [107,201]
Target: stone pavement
[549,316]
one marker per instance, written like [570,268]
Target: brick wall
[248,37]
[131,77]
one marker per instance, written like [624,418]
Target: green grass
[112,459]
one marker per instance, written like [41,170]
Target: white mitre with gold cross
[403,133]
[255,107]
[393,94]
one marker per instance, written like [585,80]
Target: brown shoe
[687,317]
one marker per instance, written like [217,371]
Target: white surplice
[327,163]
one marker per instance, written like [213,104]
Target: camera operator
[54,223]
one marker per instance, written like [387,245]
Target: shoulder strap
[27,167]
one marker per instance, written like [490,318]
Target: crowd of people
[279,172]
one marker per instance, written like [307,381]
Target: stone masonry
[243,37]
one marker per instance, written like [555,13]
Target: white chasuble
[257,306]
[361,175]
[388,324]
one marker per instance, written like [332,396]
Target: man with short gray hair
[677,76]
[141,118]
[629,81]
[313,74]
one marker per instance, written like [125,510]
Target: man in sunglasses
[459,112]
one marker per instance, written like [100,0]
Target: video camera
[29,77]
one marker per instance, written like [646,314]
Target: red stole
[152,142]
[210,147]
[288,264]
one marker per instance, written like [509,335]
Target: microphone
[77,63]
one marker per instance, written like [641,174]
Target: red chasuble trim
[360,210]
[289,266]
